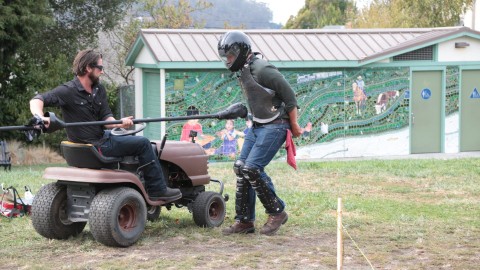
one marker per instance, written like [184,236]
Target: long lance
[234,111]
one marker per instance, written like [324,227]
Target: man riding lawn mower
[109,192]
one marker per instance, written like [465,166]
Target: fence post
[339,235]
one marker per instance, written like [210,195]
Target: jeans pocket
[272,139]
[279,132]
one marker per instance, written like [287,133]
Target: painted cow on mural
[383,98]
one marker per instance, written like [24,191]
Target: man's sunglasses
[97,66]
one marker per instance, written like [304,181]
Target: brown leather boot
[273,223]
[239,227]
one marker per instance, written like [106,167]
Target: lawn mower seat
[87,156]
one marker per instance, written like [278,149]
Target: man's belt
[276,121]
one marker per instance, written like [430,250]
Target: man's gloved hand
[38,127]
[32,134]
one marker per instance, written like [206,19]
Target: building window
[420,54]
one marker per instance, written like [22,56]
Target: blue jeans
[120,146]
[259,148]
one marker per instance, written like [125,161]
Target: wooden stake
[339,236]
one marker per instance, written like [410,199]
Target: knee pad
[266,196]
[241,194]
[251,174]
[237,167]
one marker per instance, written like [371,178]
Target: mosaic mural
[333,103]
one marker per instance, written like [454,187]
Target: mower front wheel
[209,209]
[118,216]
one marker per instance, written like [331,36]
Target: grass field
[402,214]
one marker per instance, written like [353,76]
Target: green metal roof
[197,48]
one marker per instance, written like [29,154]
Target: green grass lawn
[403,214]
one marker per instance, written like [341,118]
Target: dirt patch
[199,250]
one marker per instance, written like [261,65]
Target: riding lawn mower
[109,192]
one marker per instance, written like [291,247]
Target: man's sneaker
[167,195]
[273,223]
[240,227]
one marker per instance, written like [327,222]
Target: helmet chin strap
[249,58]
[258,53]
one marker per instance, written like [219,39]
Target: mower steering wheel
[125,132]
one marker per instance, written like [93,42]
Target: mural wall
[334,104]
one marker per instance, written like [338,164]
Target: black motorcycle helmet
[234,48]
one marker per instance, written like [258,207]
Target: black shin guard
[241,195]
[268,199]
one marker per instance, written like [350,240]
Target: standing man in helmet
[273,106]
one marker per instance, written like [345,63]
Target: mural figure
[248,124]
[248,127]
[230,137]
[359,97]
[323,128]
[194,125]
[307,129]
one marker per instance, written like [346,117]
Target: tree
[38,42]
[321,13]
[148,14]
[19,21]
[412,13]
[236,14]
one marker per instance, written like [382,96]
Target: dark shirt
[78,105]
[268,76]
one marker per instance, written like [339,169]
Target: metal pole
[339,235]
[474,7]
[120,92]
[101,123]
[236,110]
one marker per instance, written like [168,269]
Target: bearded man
[84,99]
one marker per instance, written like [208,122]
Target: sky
[282,9]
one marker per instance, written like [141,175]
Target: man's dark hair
[84,59]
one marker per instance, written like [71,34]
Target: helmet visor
[230,55]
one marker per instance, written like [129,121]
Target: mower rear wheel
[49,213]
[118,216]
[209,209]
